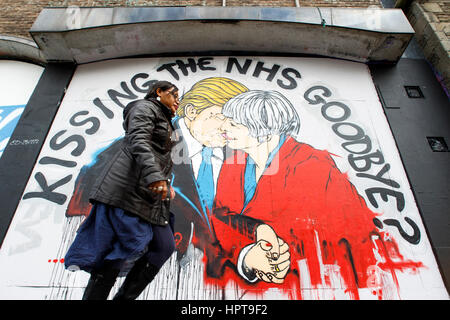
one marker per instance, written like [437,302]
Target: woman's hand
[172,193]
[269,257]
[159,187]
[162,188]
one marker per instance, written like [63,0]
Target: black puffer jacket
[144,157]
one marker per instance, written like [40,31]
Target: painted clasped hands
[269,257]
[162,187]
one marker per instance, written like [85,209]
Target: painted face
[237,136]
[206,127]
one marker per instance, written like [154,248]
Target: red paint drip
[178,237]
[55,260]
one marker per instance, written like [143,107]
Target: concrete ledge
[83,35]
[20,49]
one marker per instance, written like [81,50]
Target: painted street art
[288,185]
[17,80]
[9,116]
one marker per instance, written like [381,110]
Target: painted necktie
[205,179]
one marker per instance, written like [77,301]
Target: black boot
[137,279]
[101,282]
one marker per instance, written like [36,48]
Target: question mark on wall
[73,17]
[414,238]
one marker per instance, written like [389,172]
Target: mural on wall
[17,82]
[289,184]
[9,116]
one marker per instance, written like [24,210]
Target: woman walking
[130,221]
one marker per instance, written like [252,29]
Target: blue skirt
[110,233]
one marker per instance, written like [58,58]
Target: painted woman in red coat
[284,211]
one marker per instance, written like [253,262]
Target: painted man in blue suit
[198,158]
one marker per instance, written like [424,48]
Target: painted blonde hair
[214,91]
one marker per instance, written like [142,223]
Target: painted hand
[269,257]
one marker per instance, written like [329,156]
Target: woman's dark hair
[164,85]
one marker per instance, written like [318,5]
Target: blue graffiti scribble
[9,116]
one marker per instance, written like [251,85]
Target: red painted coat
[310,204]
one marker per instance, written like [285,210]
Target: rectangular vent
[437,144]
[414,92]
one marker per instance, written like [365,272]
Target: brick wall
[431,21]
[17,16]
